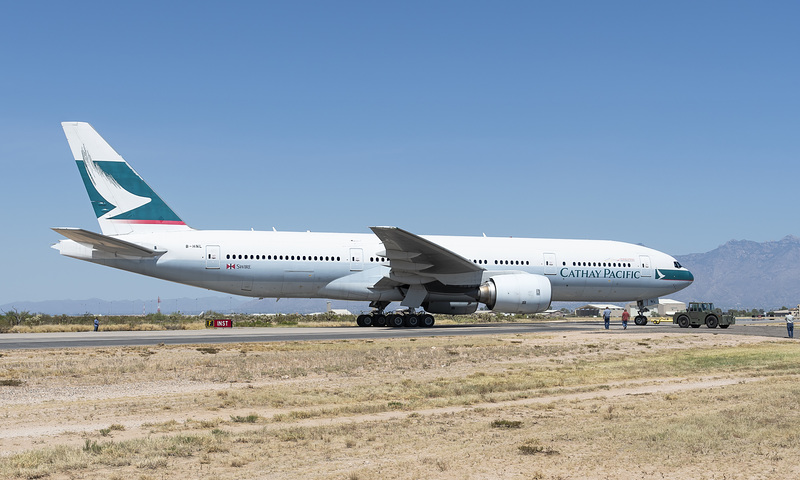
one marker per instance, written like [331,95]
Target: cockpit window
[677,265]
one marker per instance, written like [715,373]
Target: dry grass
[140,327]
[575,406]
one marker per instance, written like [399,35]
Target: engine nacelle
[451,308]
[516,293]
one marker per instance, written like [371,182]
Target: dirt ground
[575,405]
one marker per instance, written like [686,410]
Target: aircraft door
[356,259]
[212,256]
[647,269]
[550,267]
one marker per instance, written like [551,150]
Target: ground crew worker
[790,325]
[607,317]
[625,317]
[96,323]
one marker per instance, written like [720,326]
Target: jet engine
[516,293]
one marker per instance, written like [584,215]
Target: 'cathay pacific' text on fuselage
[599,273]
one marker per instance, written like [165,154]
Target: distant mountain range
[739,274]
[742,274]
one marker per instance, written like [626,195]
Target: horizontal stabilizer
[107,244]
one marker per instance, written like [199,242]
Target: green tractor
[700,313]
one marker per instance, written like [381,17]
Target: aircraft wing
[107,244]
[415,260]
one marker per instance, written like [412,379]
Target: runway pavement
[10,341]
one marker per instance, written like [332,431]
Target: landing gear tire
[411,321]
[640,320]
[379,320]
[364,320]
[712,321]
[683,321]
[426,320]
[394,320]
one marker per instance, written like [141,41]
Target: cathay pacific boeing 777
[427,274]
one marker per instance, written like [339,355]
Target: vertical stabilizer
[122,200]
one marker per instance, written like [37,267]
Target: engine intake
[516,293]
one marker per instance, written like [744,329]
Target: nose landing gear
[640,319]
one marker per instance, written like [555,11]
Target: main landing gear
[408,319]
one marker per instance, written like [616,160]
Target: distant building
[665,308]
[596,310]
[335,311]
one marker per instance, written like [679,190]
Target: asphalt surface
[11,341]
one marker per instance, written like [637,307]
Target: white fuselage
[347,266]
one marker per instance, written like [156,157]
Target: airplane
[426,274]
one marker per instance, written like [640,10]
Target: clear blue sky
[532,118]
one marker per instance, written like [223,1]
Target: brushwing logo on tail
[120,195]
[118,201]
